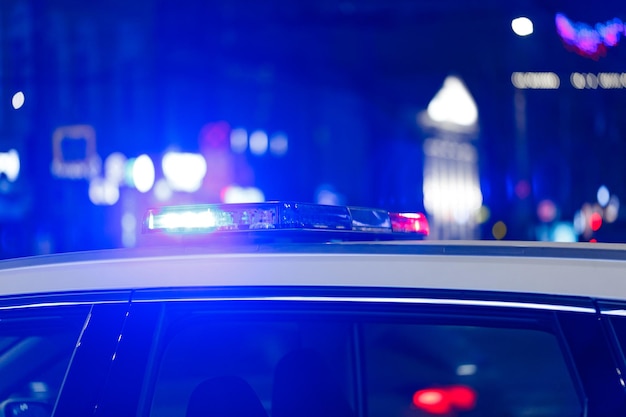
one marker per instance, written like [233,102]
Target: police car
[297,310]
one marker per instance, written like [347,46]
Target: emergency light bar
[200,219]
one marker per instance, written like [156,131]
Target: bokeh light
[279,144]
[536,80]
[235,194]
[595,221]
[453,104]
[114,167]
[184,171]
[238,140]
[580,222]
[563,232]
[603,196]
[546,211]
[103,192]
[162,190]
[589,40]
[451,186]
[611,212]
[483,215]
[258,142]
[10,164]
[143,173]
[18,100]
[466,369]
[499,230]
[522,26]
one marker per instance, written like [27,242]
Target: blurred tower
[452,195]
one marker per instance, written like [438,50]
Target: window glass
[341,366]
[414,369]
[271,366]
[36,345]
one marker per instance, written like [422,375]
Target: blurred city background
[499,119]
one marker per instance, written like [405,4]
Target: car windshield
[498,119]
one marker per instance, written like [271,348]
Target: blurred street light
[522,26]
[18,100]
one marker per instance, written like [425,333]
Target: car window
[480,370]
[270,365]
[36,345]
[269,357]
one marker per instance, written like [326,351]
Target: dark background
[345,81]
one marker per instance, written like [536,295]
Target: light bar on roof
[200,219]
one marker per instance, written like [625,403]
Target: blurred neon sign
[74,152]
[586,40]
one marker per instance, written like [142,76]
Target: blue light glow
[603,196]
[279,144]
[238,140]
[564,232]
[186,220]
[258,142]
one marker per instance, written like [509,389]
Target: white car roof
[585,270]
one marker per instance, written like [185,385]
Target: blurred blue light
[603,196]
[279,144]
[185,220]
[103,192]
[563,232]
[328,195]
[258,142]
[238,140]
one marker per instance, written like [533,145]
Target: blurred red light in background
[462,397]
[445,400]
[595,221]
[434,401]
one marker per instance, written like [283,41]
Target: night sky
[344,82]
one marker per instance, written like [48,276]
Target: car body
[339,328]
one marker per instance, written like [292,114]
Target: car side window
[255,368]
[450,369]
[36,346]
[267,364]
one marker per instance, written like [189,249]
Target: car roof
[584,270]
